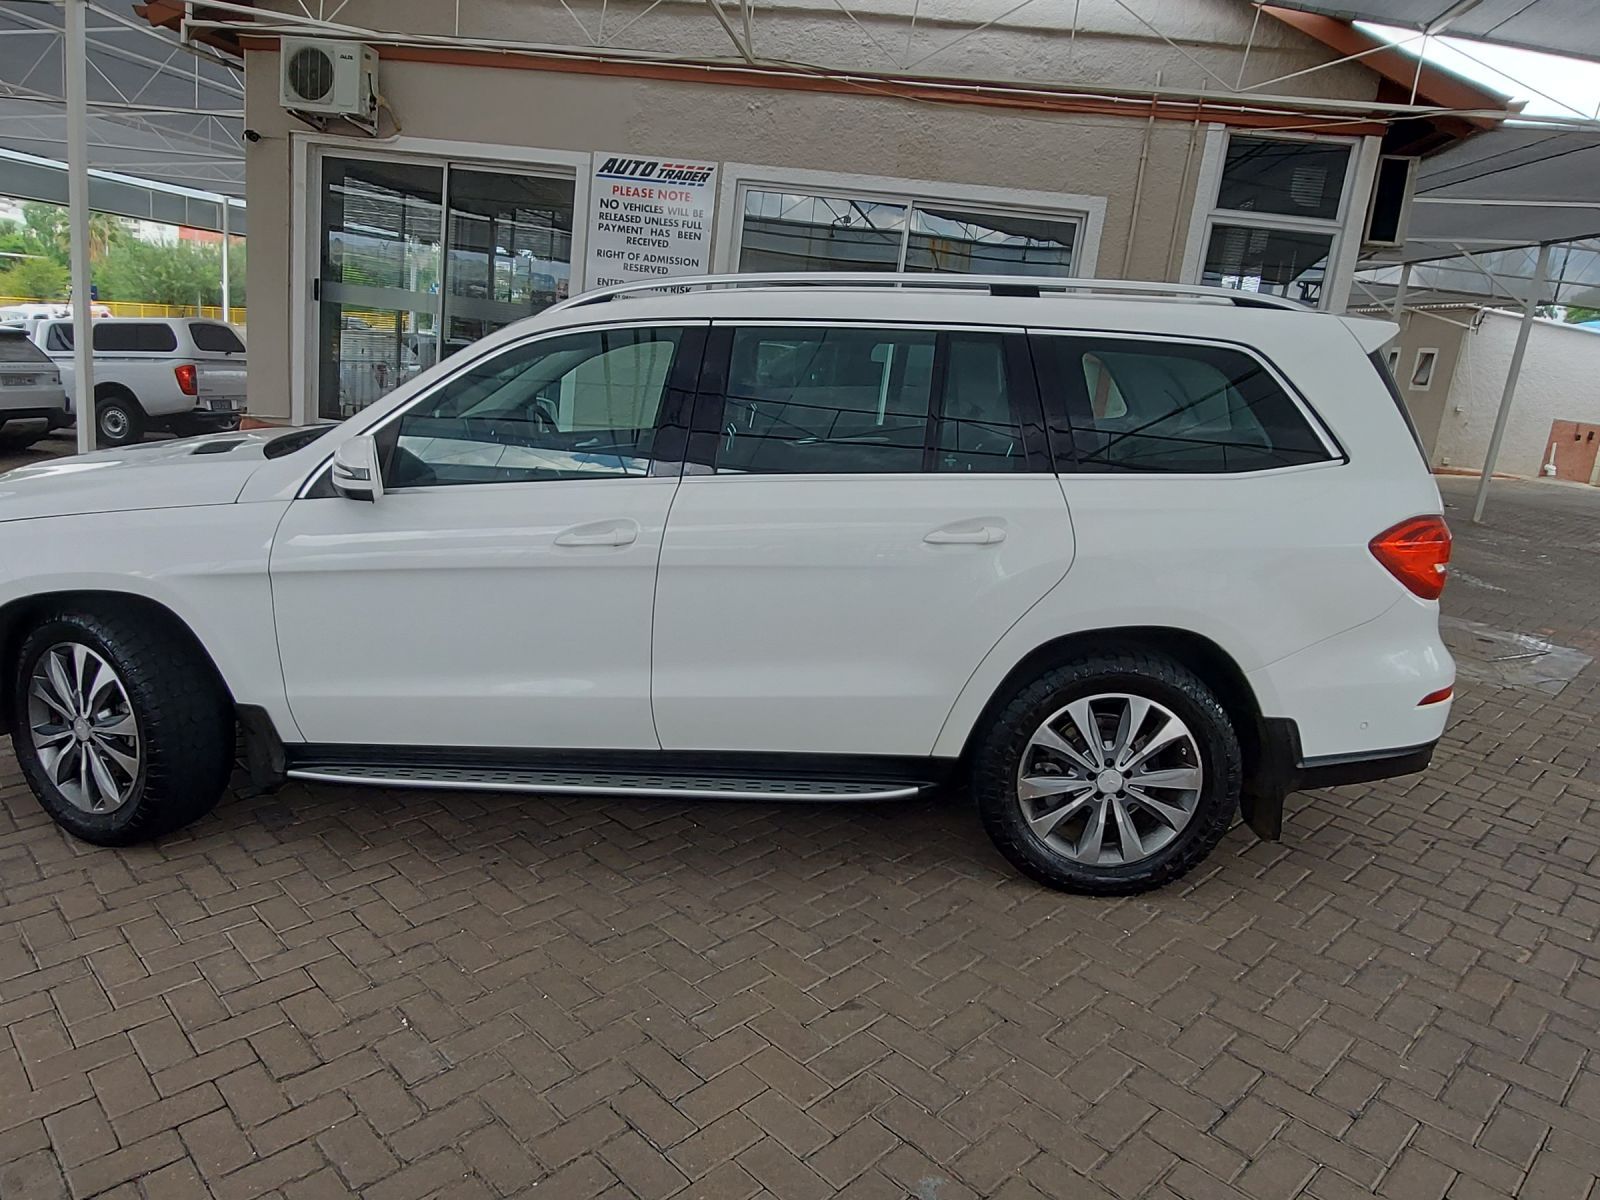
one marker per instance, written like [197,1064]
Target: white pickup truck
[185,375]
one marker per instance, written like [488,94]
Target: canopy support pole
[76,52]
[1530,305]
[227,301]
[1399,305]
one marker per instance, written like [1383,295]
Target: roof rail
[995,285]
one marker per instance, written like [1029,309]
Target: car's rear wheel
[118,419]
[121,727]
[1113,774]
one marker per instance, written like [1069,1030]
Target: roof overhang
[1565,27]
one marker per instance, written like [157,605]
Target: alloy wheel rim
[1110,780]
[83,728]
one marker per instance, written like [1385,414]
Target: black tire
[183,715]
[998,756]
[118,419]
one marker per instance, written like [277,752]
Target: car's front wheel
[121,727]
[1113,774]
[118,419]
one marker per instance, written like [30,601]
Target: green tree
[184,273]
[33,279]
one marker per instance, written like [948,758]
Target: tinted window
[219,339]
[815,401]
[59,338]
[120,336]
[1167,406]
[15,347]
[979,428]
[575,407]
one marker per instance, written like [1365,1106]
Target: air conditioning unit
[329,79]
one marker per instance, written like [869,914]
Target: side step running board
[613,783]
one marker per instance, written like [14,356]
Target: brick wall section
[332,992]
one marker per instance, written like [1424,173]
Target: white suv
[1120,559]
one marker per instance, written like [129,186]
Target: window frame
[1345,228]
[1431,354]
[710,403]
[671,427]
[738,178]
[1059,401]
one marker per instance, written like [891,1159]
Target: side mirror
[355,474]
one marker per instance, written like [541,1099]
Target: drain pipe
[1138,185]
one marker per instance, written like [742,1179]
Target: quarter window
[811,400]
[1176,407]
[579,406]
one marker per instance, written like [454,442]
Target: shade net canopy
[1481,209]
[157,111]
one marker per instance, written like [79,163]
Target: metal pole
[1529,306]
[75,51]
[227,304]
[1399,305]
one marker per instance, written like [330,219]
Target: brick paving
[329,992]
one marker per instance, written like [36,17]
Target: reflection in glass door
[379,280]
[509,250]
[418,259]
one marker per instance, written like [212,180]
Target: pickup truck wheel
[122,729]
[1111,775]
[118,419]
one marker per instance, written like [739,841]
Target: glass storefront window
[794,231]
[788,232]
[970,243]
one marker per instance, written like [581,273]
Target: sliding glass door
[419,258]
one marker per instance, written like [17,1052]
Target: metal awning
[157,109]
[1567,27]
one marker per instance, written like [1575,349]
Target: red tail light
[1438,697]
[186,381]
[1417,553]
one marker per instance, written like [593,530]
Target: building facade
[1451,364]
[504,176]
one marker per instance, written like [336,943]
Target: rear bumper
[55,415]
[1281,767]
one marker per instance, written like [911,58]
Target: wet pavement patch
[1509,659]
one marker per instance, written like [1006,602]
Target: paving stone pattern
[330,992]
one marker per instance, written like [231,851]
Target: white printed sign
[649,218]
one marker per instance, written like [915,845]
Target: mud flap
[1263,812]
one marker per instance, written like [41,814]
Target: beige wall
[1440,331]
[856,134]
[1560,381]
[1110,46]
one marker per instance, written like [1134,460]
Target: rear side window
[848,400]
[216,339]
[59,337]
[1136,405]
[124,337]
[15,347]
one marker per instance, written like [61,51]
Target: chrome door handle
[605,533]
[984,535]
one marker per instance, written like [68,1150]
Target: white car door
[498,594]
[866,511]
